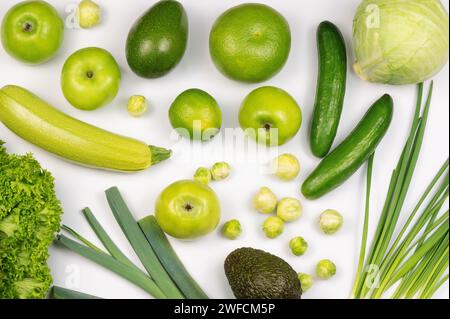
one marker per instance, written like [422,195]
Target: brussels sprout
[286,167]
[202,175]
[137,105]
[220,171]
[306,281]
[265,201]
[88,14]
[298,246]
[232,229]
[273,227]
[330,221]
[400,42]
[289,209]
[325,269]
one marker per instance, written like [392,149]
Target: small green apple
[270,115]
[90,78]
[187,209]
[32,31]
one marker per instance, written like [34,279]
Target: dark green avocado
[157,41]
[256,274]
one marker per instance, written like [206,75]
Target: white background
[78,187]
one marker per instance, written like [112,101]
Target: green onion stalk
[417,258]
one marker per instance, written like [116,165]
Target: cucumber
[345,160]
[41,124]
[330,90]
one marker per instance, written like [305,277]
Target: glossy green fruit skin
[90,92]
[157,41]
[346,158]
[196,105]
[271,106]
[330,91]
[42,41]
[39,123]
[250,42]
[180,223]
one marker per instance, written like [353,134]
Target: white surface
[78,187]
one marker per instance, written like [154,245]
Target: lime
[250,42]
[196,114]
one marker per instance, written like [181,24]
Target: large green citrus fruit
[250,42]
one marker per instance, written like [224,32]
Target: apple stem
[159,154]
[267,126]
[27,27]
[90,74]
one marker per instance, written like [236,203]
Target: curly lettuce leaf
[30,215]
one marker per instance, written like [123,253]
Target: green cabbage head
[400,41]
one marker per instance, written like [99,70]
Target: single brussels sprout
[289,209]
[306,281]
[298,246]
[273,227]
[220,171]
[265,201]
[232,229]
[202,175]
[89,14]
[400,42]
[286,167]
[325,269]
[137,105]
[330,221]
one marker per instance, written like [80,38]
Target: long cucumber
[330,91]
[345,159]
[41,124]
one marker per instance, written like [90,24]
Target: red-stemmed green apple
[90,78]
[270,115]
[32,31]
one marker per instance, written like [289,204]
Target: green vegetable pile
[393,42]
[30,215]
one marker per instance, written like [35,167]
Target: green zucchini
[345,160]
[330,91]
[41,124]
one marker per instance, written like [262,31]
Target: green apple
[32,31]
[90,78]
[187,209]
[270,116]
